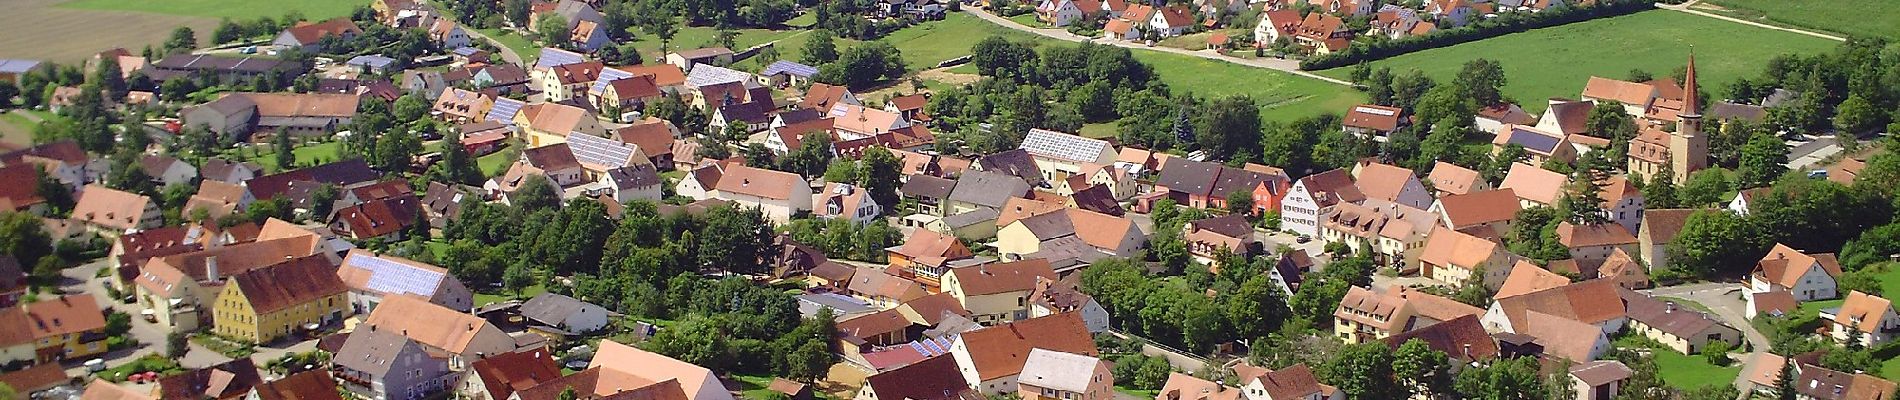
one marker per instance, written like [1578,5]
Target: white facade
[1299,213]
[1815,284]
[1093,315]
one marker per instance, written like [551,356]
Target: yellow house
[997,293]
[264,304]
[67,327]
[549,123]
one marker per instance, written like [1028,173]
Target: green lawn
[1683,371]
[1852,17]
[1098,131]
[927,44]
[314,10]
[1281,96]
[1029,20]
[526,48]
[693,37]
[485,296]
[1557,61]
[316,154]
[493,164]
[753,387]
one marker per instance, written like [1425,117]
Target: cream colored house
[777,194]
[1108,234]
[996,293]
[1060,155]
[1677,327]
[1366,315]
[1452,257]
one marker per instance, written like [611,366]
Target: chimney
[1669,307]
[211,268]
[1467,351]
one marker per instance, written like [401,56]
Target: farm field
[314,10]
[1851,17]
[1555,62]
[47,30]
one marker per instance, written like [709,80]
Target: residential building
[777,194]
[545,124]
[1540,145]
[308,385]
[1207,238]
[372,277]
[933,378]
[1594,242]
[697,382]
[1379,181]
[1059,155]
[69,327]
[1808,277]
[181,289]
[1462,339]
[1811,381]
[1534,186]
[1486,214]
[1074,228]
[110,212]
[1456,257]
[308,36]
[1391,234]
[1208,185]
[1295,382]
[500,376]
[991,359]
[1325,33]
[265,304]
[1592,303]
[1676,326]
[843,200]
[165,170]
[1055,296]
[1366,315]
[384,364]
[464,337]
[1451,179]
[462,106]
[230,380]
[217,169]
[687,59]
[983,189]
[1862,317]
[1313,194]
[1658,228]
[243,115]
[1055,375]
[926,255]
[218,199]
[62,160]
[996,293]
[1372,121]
[1182,386]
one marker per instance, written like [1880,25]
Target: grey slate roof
[927,186]
[551,309]
[988,189]
[1017,162]
[373,351]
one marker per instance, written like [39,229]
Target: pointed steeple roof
[1689,98]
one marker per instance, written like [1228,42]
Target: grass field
[1851,17]
[521,45]
[485,295]
[1281,96]
[315,10]
[1555,62]
[493,164]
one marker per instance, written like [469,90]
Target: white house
[168,171]
[844,200]
[698,184]
[1863,317]
[1808,277]
[777,194]
[1299,212]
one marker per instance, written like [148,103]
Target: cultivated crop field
[1851,17]
[45,30]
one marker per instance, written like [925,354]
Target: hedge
[1503,24]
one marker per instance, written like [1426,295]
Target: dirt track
[39,29]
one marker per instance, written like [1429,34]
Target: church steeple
[1688,147]
[1690,108]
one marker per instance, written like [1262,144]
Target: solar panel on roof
[1533,140]
[919,347]
[1374,111]
[552,57]
[598,150]
[504,110]
[387,276]
[1054,144]
[608,75]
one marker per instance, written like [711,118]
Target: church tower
[1688,147]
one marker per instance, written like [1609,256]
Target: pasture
[1849,17]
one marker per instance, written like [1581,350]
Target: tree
[734,240]
[1713,242]
[553,31]
[1764,159]
[997,57]
[863,65]
[656,21]
[457,166]
[182,39]
[176,345]
[517,279]
[409,108]
[1240,201]
[109,78]
[22,237]
[535,193]
[284,149]
[1784,383]
[1228,127]
[1363,371]
[1660,192]
[1425,370]
[1856,115]
[1481,81]
[1873,246]
[880,174]
[1582,200]
[1716,352]
[394,151]
[7,92]
[1610,122]
[1704,187]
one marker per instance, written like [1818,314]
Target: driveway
[1724,300]
[150,336]
[1278,64]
